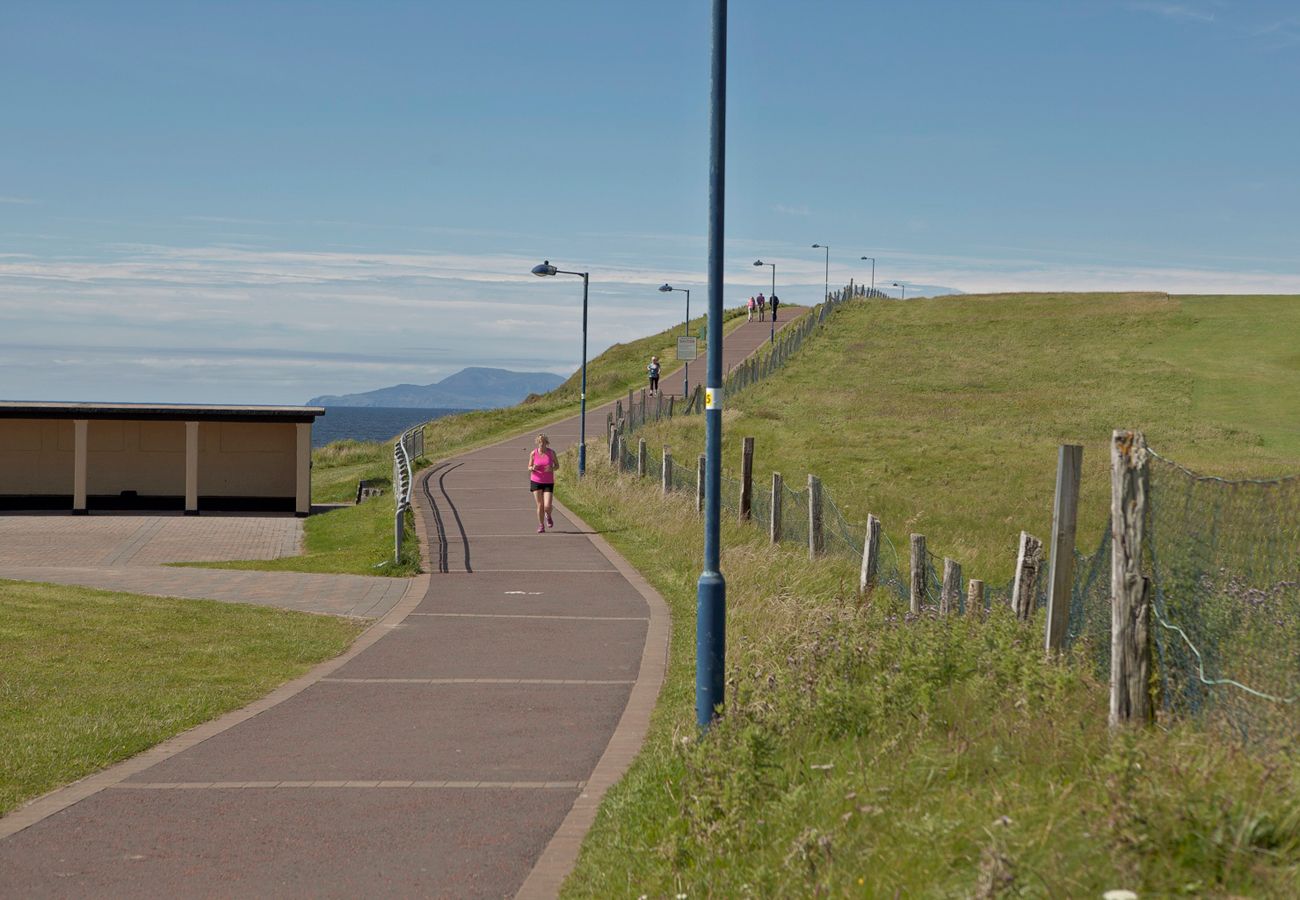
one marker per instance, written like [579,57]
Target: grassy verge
[943,416]
[358,540]
[89,678]
[865,754]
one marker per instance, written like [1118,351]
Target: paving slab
[325,842]
[535,593]
[349,731]
[477,646]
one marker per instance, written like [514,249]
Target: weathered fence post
[778,494]
[618,451]
[950,595]
[699,484]
[672,401]
[870,556]
[640,458]
[1130,645]
[1024,589]
[916,584]
[1065,516]
[668,471]
[975,595]
[746,479]
[816,537]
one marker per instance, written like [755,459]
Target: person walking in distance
[542,463]
[752,306]
[653,371]
[774,302]
[762,305]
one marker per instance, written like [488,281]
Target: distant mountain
[472,388]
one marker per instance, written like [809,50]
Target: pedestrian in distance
[774,302]
[762,305]
[542,464]
[653,371]
[752,306]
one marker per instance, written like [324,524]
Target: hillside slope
[943,416]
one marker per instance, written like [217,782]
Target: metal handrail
[407,447]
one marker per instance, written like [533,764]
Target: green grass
[358,540]
[865,754]
[943,416]
[89,678]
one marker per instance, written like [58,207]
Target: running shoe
[550,523]
[541,529]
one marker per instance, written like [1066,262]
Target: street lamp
[711,589]
[873,272]
[826,285]
[759,262]
[902,287]
[547,269]
[686,330]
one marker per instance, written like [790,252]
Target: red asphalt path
[459,749]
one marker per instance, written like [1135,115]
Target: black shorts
[541,486]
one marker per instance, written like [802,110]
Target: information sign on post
[687,349]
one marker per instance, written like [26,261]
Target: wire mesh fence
[1225,563]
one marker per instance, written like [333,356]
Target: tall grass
[867,753]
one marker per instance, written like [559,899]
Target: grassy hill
[863,753]
[943,416]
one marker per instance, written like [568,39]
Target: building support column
[80,434]
[302,506]
[191,468]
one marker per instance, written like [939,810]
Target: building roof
[168,412]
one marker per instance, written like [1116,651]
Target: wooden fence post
[975,595]
[746,479]
[950,595]
[1130,644]
[1065,517]
[916,584]
[672,401]
[618,451]
[816,537]
[1024,589]
[778,494]
[640,458]
[699,484]
[668,471]
[870,556]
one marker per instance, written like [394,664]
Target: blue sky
[254,202]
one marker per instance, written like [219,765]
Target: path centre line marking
[455,615]
[608,571]
[281,785]
[568,681]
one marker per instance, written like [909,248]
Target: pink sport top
[541,458]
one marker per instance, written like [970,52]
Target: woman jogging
[542,463]
[653,371]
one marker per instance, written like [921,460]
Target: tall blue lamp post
[873,272]
[759,262]
[686,330]
[711,591]
[826,285]
[547,269]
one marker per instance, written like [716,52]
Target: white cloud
[1181,11]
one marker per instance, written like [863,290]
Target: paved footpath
[458,749]
[129,552]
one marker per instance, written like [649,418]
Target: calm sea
[369,423]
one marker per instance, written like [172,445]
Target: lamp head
[817,246]
[665,288]
[545,268]
[759,262]
[864,257]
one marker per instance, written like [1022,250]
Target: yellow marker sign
[713,398]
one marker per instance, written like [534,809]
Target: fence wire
[1225,563]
